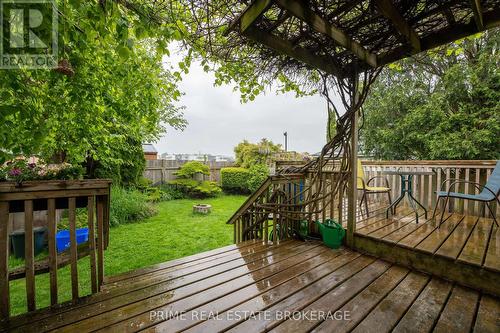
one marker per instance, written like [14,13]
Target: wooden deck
[468,239]
[288,287]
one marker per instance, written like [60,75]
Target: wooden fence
[161,171]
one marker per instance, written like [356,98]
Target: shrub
[189,169]
[235,180]
[258,174]
[171,192]
[197,189]
[81,219]
[129,206]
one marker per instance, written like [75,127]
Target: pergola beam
[478,13]
[316,22]
[445,36]
[253,12]
[388,9]
[287,48]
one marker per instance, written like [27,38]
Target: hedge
[235,179]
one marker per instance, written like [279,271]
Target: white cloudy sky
[218,121]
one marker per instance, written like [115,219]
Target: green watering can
[332,233]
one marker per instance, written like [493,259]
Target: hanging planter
[64,67]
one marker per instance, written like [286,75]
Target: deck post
[353,177]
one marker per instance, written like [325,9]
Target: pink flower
[15,172]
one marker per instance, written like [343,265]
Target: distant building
[150,152]
[196,157]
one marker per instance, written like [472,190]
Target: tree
[441,105]
[250,154]
[116,95]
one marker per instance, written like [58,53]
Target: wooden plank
[492,259]
[232,294]
[253,13]
[352,197]
[51,194]
[388,312]
[52,230]
[330,262]
[358,307]
[474,250]
[424,312]
[318,295]
[100,241]
[462,273]
[29,253]
[72,247]
[92,245]
[459,312]
[141,301]
[138,294]
[215,266]
[384,222]
[478,13]
[287,48]
[487,315]
[319,24]
[394,226]
[467,203]
[404,231]
[456,241]
[54,185]
[187,276]
[476,191]
[272,300]
[432,242]
[4,261]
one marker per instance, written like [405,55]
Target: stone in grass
[202,209]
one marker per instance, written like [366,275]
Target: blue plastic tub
[63,242]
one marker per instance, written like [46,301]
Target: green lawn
[175,232]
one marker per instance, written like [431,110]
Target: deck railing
[426,186]
[273,209]
[50,196]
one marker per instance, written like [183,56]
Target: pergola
[350,41]
[339,36]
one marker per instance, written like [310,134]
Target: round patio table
[407,189]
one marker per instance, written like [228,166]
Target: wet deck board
[273,280]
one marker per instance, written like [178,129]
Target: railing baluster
[90,220]
[467,190]
[100,241]
[4,261]
[52,229]
[332,197]
[29,255]
[430,193]
[72,247]
[488,174]
[476,204]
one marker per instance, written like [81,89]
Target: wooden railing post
[52,230]
[72,249]
[353,182]
[29,254]
[4,261]
[100,240]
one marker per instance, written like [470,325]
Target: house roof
[148,148]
